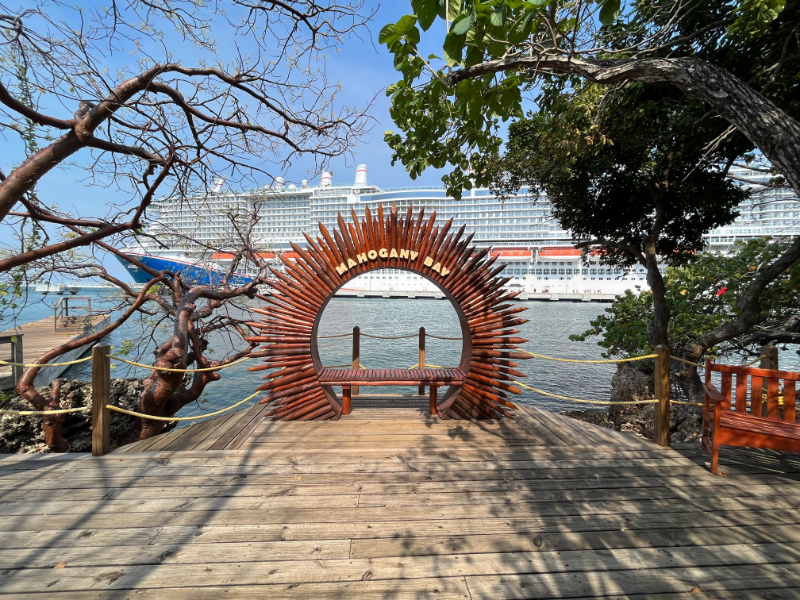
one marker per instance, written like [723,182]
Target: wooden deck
[392,503]
[39,337]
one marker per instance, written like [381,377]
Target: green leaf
[538,2]
[404,25]
[386,33]
[522,28]
[453,47]
[498,18]
[609,12]
[426,11]
[463,24]
[453,9]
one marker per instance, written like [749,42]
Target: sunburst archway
[466,276]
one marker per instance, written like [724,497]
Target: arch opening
[463,324]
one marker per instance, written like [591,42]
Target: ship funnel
[304,183]
[361,175]
[279,181]
[218,185]
[325,180]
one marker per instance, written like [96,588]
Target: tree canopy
[703,297]
[740,59]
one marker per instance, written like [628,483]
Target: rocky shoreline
[20,434]
[631,384]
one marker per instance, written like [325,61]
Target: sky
[362,66]
[364,69]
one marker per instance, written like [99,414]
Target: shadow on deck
[392,503]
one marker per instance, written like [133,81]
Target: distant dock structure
[72,319]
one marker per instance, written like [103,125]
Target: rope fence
[133,413]
[153,367]
[29,366]
[591,362]
[39,413]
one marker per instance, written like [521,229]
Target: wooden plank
[621,564]
[570,541]
[226,422]
[235,436]
[440,588]
[646,582]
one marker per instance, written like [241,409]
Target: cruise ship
[196,233]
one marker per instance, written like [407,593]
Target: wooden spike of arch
[288,340]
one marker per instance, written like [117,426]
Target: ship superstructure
[194,233]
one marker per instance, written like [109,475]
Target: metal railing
[62,308]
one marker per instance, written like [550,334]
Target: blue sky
[362,66]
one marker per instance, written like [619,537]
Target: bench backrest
[780,404]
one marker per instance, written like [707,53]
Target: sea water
[548,329]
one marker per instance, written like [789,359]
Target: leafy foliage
[460,126]
[702,297]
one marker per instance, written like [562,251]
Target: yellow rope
[63,364]
[439,337]
[30,413]
[688,362]
[396,337]
[429,365]
[686,403]
[571,360]
[326,337]
[527,387]
[153,418]
[136,364]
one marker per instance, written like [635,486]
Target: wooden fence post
[101,396]
[770,360]
[661,421]
[422,356]
[356,353]
[17,356]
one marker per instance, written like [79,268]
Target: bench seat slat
[376,377]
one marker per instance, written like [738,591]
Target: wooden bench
[769,424]
[378,377]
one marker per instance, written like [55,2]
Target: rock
[629,383]
[21,434]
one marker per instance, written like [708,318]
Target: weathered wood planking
[397,504]
[40,337]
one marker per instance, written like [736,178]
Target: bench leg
[345,399]
[432,401]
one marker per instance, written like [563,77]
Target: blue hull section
[195,274]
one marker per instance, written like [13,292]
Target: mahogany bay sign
[467,277]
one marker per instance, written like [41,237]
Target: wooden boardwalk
[391,503]
[42,335]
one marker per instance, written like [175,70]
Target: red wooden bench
[766,425]
[377,377]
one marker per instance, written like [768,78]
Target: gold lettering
[341,269]
[383,253]
[414,255]
[362,258]
[437,267]
[351,263]
[393,253]
[372,254]
[428,261]
[445,271]
[403,253]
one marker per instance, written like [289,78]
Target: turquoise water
[548,329]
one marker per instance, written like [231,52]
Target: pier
[394,503]
[29,341]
